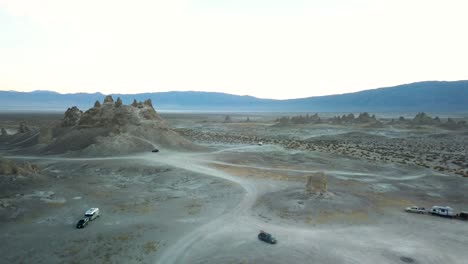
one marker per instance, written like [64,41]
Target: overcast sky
[265,48]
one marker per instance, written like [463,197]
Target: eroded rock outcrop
[118,103]
[349,118]
[422,119]
[113,128]
[298,120]
[148,103]
[72,117]
[108,99]
[366,118]
[23,127]
[452,124]
[117,114]
[363,118]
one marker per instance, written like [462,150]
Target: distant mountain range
[430,96]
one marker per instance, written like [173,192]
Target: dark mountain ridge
[430,96]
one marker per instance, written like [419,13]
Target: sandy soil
[208,206]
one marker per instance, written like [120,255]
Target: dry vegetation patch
[150,247]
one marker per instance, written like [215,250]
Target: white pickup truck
[416,209]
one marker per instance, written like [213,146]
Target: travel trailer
[442,211]
[92,213]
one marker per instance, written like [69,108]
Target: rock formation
[300,119]
[365,118]
[336,120]
[72,117]
[97,104]
[348,118]
[108,99]
[315,118]
[4,132]
[422,119]
[23,128]
[112,128]
[148,103]
[118,103]
[452,124]
[117,114]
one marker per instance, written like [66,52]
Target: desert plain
[332,188]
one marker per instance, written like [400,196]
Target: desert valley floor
[207,204]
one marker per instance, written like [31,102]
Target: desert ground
[329,193]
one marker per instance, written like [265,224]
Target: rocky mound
[112,128]
[72,117]
[23,128]
[349,119]
[363,118]
[422,119]
[298,120]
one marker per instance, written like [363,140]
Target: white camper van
[442,211]
[92,213]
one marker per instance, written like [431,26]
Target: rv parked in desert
[442,211]
[92,213]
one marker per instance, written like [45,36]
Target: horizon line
[216,92]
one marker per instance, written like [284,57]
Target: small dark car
[155,150]
[82,223]
[264,236]
[463,215]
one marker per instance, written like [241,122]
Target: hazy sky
[265,48]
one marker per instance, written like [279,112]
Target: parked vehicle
[443,211]
[463,215]
[416,209]
[155,150]
[264,236]
[92,213]
[82,223]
